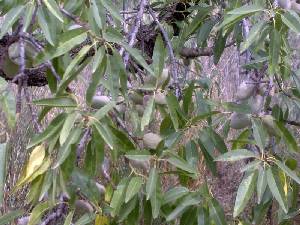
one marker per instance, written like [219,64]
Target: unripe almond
[140,109]
[82,206]
[143,165]
[99,101]
[285,4]
[160,99]
[239,120]
[100,188]
[136,98]
[257,104]
[151,140]
[245,90]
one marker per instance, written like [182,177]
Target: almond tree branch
[171,53]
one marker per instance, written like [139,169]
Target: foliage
[80,154]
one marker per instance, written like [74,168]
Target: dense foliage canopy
[107,159]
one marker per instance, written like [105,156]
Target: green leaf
[67,127]
[65,149]
[56,102]
[204,31]
[105,133]
[67,41]
[110,6]
[45,25]
[54,9]
[276,188]
[173,106]
[156,200]
[159,55]
[147,113]
[201,117]
[10,18]
[97,10]
[68,220]
[151,183]
[253,35]
[30,6]
[216,212]
[203,216]
[174,194]
[118,198]
[292,20]
[288,137]
[51,130]
[98,58]
[133,188]
[135,53]
[9,217]
[274,50]
[261,184]
[236,155]
[78,58]
[101,113]
[181,164]
[244,193]
[38,212]
[3,150]
[288,171]
[259,133]
[8,106]
[246,9]
[139,155]
[96,78]
[183,205]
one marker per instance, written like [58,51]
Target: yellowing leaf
[35,160]
[101,220]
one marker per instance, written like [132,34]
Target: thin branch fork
[171,53]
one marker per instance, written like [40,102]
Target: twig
[75,18]
[171,53]
[82,145]
[134,31]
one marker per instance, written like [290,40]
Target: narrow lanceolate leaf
[56,102]
[99,56]
[75,61]
[156,201]
[259,133]
[288,171]
[96,13]
[65,149]
[38,212]
[216,212]
[253,35]
[159,54]
[105,133]
[276,188]
[244,193]
[8,106]
[151,183]
[28,15]
[110,6]
[174,194]
[96,77]
[67,127]
[172,103]
[292,20]
[10,18]
[67,41]
[45,25]
[9,217]
[288,137]
[236,155]
[147,113]
[118,198]
[182,164]
[133,188]
[101,113]
[261,184]
[274,49]
[183,205]
[68,220]
[2,169]
[247,9]
[51,130]
[54,9]
[35,160]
